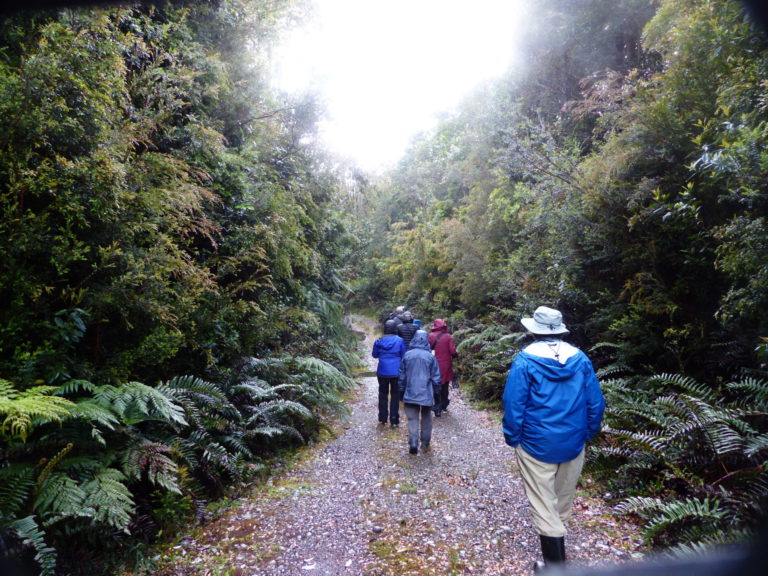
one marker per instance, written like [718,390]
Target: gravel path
[359,504]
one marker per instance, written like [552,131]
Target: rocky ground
[359,504]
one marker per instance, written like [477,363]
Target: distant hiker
[445,351]
[397,315]
[419,381]
[417,323]
[552,406]
[407,329]
[389,349]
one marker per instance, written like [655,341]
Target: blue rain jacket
[389,349]
[419,378]
[550,408]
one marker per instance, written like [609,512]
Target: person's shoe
[538,566]
[553,549]
[395,424]
[413,450]
[438,413]
[425,447]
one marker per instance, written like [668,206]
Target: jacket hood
[552,370]
[439,324]
[389,342]
[420,340]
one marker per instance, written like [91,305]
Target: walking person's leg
[383,398]
[394,402]
[412,412]
[444,390]
[539,482]
[426,426]
[566,479]
[438,406]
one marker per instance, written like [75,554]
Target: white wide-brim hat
[545,321]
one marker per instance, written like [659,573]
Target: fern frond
[752,393]
[274,431]
[688,384]
[30,534]
[60,497]
[757,445]
[89,410]
[268,411]
[72,387]
[110,499]
[136,402]
[16,485]
[20,410]
[326,373]
[663,515]
[151,460]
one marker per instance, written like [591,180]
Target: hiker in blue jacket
[419,381]
[389,349]
[553,405]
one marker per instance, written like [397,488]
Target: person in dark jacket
[407,329]
[389,349]
[445,351]
[418,381]
[553,405]
[397,315]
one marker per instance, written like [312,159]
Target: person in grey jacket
[419,381]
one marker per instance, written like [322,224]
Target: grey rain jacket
[419,377]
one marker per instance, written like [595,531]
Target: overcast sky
[387,68]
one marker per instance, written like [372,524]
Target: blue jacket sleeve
[595,404]
[515,397]
[375,352]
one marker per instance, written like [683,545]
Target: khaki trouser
[551,489]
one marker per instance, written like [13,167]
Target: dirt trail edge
[359,504]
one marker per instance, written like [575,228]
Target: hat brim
[535,328]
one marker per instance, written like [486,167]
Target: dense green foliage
[169,248]
[621,179]
[173,254]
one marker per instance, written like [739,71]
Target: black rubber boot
[553,551]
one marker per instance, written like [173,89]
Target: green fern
[151,460]
[687,444]
[60,497]
[665,516]
[17,482]
[28,531]
[21,411]
[135,402]
[110,499]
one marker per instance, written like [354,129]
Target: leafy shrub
[689,458]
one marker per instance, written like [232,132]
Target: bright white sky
[387,68]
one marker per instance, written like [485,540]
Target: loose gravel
[359,504]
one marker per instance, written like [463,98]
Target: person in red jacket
[445,351]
